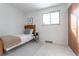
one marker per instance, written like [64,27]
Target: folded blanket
[9,41]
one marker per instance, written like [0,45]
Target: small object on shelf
[36,33]
[36,36]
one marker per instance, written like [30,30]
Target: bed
[16,40]
[11,41]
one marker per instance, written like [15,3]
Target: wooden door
[72,28]
[77,11]
[1,48]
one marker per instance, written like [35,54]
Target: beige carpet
[40,49]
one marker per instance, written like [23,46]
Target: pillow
[31,31]
[28,31]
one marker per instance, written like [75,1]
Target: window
[51,18]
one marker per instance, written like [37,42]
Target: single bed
[24,39]
[11,41]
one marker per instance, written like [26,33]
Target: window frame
[50,17]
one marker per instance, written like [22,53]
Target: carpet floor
[34,48]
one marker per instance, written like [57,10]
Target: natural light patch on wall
[73,24]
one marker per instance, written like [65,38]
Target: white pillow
[31,31]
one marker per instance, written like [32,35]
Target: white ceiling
[29,7]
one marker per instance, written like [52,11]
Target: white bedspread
[24,38]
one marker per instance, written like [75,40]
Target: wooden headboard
[30,27]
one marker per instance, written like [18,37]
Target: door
[1,48]
[77,13]
[72,28]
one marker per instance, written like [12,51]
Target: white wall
[56,33]
[11,20]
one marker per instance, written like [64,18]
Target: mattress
[24,38]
